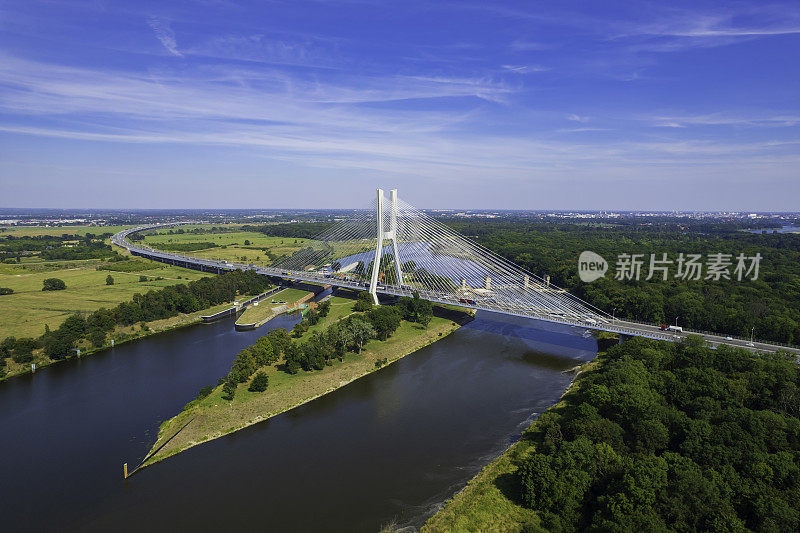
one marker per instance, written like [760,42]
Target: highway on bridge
[587,320]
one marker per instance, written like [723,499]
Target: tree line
[296,230]
[321,348]
[670,437]
[170,301]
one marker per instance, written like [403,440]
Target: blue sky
[520,105]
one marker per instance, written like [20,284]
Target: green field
[33,231]
[235,249]
[25,313]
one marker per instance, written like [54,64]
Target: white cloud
[720,119]
[164,34]
[357,122]
[577,118]
[525,69]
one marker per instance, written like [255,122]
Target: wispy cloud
[326,126]
[577,118]
[720,119]
[164,33]
[525,69]
[521,45]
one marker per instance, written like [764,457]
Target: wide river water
[388,447]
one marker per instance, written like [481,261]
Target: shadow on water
[391,445]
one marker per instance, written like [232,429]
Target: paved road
[598,323]
[713,340]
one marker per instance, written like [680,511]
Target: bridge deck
[474,301]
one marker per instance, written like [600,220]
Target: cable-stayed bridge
[393,248]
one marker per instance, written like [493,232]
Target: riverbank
[484,504]
[121,335]
[212,417]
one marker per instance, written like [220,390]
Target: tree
[7,346]
[142,278]
[23,350]
[109,280]
[246,242]
[58,346]
[73,327]
[228,389]
[363,302]
[259,383]
[53,284]
[97,337]
[6,290]
[362,331]
[298,330]
[324,308]
[385,320]
[425,317]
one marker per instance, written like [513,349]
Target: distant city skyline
[685,106]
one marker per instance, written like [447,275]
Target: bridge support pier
[380,237]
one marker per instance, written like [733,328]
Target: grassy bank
[488,502]
[121,335]
[212,417]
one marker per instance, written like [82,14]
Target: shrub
[6,290]
[23,350]
[97,337]
[109,280]
[142,278]
[7,346]
[259,383]
[205,391]
[53,284]
[228,390]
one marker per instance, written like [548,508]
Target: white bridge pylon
[382,235]
[402,250]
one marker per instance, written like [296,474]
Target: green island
[339,341]
[651,436]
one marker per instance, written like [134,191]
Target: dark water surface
[391,445]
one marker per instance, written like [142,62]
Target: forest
[768,307]
[65,247]
[670,437]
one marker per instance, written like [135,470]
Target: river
[390,446]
